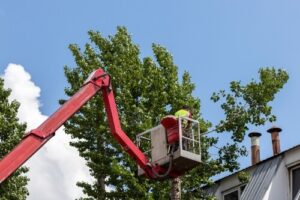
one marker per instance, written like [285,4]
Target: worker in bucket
[185,111]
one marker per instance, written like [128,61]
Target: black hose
[169,167]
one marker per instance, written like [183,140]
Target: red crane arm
[35,139]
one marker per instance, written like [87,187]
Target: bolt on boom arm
[99,81]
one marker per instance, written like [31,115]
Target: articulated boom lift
[98,81]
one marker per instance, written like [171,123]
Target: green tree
[11,132]
[243,105]
[147,89]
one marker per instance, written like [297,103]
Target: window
[243,188]
[234,194]
[295,178]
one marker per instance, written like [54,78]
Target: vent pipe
[275,139]
[255,149]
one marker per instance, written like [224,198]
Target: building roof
[261,179]
[260,162]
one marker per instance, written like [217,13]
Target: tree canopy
[11,132]
[147,89]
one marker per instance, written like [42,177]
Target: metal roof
[261,179]
[259,163]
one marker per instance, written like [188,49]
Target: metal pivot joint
[38,133]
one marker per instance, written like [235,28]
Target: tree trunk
[101,183]
[176,189]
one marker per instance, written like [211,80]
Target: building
[275,178]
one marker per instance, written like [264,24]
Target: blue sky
[216,41]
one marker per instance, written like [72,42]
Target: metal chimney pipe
[255,149]
[275,139]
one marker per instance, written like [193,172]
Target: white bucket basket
[186,152]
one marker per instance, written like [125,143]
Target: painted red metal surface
[35,139]
[170,123]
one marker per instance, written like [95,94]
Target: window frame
[293,168]
[233,189]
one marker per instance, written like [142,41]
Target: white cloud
[55,169]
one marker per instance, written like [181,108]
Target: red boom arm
[35,139]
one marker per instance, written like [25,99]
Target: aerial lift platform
[172,145]
[170,155]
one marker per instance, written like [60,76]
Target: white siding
[229,183]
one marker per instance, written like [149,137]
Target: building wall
[292,158]
[229,183]
[226,185]
[279,189]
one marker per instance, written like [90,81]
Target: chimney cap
[254,134]
[274,129]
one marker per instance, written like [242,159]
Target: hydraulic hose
[171,156]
